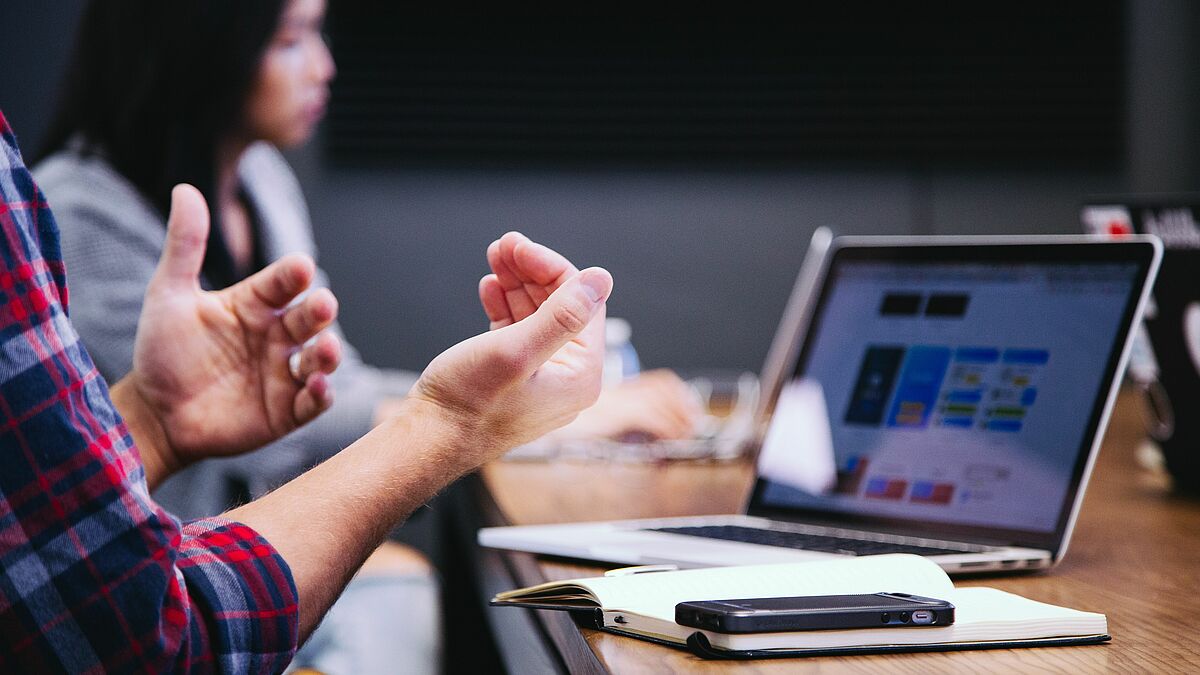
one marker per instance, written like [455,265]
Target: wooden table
[1135,556]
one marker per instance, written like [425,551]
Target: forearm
[148,435]
[326,522]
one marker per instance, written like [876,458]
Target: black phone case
[878,614]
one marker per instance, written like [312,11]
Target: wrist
[449,438]
[158,457]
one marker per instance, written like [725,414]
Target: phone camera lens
[886,617]
[904,617]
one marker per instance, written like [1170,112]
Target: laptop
[943,396]
[1165,360]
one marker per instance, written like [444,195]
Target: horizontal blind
[929,83]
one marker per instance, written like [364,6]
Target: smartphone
[815,612]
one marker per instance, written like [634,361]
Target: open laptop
[941,396]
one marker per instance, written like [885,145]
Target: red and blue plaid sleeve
[94,576]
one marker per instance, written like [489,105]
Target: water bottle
[620,358]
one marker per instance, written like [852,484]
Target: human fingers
[532,272]
[516,297]
[259,297]
[314,398]
[321,355]
[507,278]
[655,417]
[187,238]
[683,407]
[540,269]
[650,422]
[541,264]
[566,315]
[680,397]
[671,399]
[495,305]
[677,423]
[310,316]
[506,244]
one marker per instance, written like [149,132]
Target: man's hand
[211,371]
[657,404]
[538,366]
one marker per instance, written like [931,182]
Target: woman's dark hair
[156,85]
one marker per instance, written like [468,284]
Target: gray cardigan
[111,241]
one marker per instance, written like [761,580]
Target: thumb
[564,316]
[187,238]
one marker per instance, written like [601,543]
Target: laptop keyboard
[800,540]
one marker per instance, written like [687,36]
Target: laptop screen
[954,389]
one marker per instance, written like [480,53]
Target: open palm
[213,366]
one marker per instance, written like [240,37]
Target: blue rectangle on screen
[962,422]
[1031,357]
[976,355]
[1004,425]
[964,396]
[876,376]
[1029,396]
[877,486]
[920,380]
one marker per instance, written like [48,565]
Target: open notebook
[643,606]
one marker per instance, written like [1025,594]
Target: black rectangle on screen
[900,304]
[947,305]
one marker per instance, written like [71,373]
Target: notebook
[943,397]
[643,606]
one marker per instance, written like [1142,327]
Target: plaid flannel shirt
[94,576]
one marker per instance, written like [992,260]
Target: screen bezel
[1142,251]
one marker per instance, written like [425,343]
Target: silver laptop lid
[952,386]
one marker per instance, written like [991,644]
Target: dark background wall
[704,253]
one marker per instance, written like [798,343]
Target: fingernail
[594,284]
